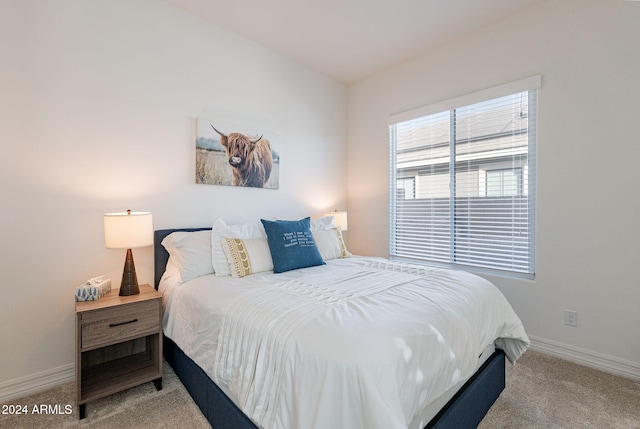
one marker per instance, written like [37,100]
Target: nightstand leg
[158,383]
[82,408]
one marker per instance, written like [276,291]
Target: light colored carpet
[542,392]
[141,407]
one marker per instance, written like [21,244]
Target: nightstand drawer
[110,325]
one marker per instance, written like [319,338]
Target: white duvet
[356,343]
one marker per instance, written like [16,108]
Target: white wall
[588,259]
[97,114]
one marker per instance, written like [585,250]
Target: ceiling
[351,39]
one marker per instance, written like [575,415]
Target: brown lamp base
[129,283]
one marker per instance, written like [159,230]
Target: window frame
[517,173]
[531,85]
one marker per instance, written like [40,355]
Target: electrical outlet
[571,318]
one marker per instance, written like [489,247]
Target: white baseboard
[588,358]
[34,383]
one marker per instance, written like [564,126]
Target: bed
[320,378]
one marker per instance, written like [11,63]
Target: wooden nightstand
[118,344]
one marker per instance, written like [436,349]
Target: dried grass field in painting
[212,168]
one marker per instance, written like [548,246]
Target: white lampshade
[128,230]
[339,218]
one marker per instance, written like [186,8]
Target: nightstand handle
[113,325]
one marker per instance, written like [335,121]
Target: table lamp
[127,231]
[339,218]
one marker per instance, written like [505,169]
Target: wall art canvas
[233,155]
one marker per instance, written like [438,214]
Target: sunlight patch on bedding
[439,336]
[404,347]
[456,375]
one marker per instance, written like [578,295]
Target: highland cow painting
[235,156]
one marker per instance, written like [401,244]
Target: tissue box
[91,292]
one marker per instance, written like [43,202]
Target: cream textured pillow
[248,256]
[221,230]
[331,243]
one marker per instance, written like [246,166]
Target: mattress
[389,342]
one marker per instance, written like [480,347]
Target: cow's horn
[214,129]
[255,141]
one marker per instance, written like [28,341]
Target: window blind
[463,183]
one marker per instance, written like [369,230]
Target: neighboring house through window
[463,180]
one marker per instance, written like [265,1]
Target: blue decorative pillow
[291,244]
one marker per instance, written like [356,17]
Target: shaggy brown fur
[250,160]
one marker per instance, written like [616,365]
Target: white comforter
[357,343]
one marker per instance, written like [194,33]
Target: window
[504,183]
[463,180]
[406,187]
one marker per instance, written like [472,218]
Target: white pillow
[249,256]
[171,268]
[221,230]
[330,243]
[190,252]
[322,224]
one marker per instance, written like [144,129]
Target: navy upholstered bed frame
[464,411]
